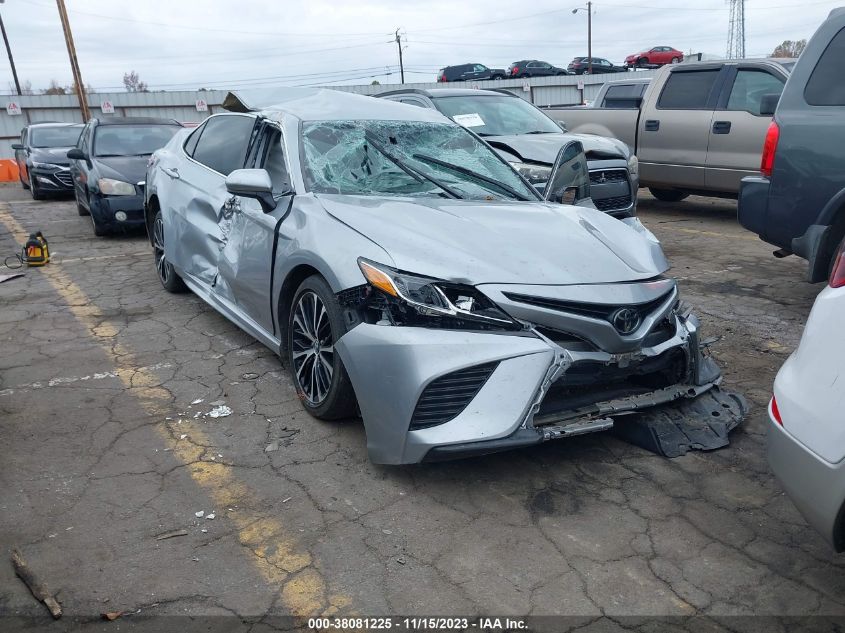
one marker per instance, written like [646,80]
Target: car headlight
[533,173]
[633,165]
[422,301]
[37,165]
[115,187]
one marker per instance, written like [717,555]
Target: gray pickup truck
[697,128]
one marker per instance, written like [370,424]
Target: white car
[807,430]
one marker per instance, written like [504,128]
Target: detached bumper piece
[672,430]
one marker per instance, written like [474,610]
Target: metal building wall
[181,105]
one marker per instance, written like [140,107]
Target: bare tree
[26,88]
[71,89]
[789,48]
[133,82]
[55,88]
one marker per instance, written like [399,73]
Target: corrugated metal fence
[183,105]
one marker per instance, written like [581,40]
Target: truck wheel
[667,195]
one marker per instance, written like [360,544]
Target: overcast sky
[188,44]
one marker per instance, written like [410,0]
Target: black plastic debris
[671,430]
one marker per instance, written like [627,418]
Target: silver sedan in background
[407,274]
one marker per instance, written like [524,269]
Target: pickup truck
[797,200]
[698,127]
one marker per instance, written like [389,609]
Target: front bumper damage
[534,389]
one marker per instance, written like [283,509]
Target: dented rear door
[202,218]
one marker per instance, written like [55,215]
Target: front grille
[601,176]
[593,310]
[64,177]
[611,204]
[445,397]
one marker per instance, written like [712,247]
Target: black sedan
[42,160]
[109,167]
[582,66]
[534,68]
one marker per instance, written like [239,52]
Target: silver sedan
[408,275]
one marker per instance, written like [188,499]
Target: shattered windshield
[496,115]
[405,158]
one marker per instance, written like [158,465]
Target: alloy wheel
[312,347]
[158,247]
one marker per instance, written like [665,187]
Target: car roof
[449,92]
[54,124]
[135,120]
[322,104]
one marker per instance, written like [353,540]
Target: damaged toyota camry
[406,274]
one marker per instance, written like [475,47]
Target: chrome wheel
[158,246]
[312,347]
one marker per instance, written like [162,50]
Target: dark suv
[534,68]
[798,202]
[469,72]
[581,66]
[42,160]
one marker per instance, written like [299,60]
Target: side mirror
[17,146]
[252,183]
[76,154]
[562,126]
[569,181]
[768,104]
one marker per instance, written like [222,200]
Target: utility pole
[401,66]
[589,11]
[74,64]
[9,51]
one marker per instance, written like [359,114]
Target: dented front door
[246,259]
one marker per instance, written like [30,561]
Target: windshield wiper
[413,173]
[540,132]
[111,155]
[473,174]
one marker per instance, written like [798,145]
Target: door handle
[172,172]
[721,127]
[652,125]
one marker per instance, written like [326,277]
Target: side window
[479,68]
[224,141]
[687,90]
[749,88]
[193,139]
[273,160]
[826,86]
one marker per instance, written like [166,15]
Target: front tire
[315,323]
[81,210]
[642,62]
[171,281]
[33,189]
[667,195]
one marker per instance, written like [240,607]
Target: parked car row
[651,58]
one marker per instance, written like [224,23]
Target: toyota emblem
[625,320]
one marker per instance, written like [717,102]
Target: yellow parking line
[276,553]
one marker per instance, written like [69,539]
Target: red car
[657,56]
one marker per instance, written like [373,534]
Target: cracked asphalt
[107,387]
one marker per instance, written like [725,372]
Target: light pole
[9,52]
[589,10]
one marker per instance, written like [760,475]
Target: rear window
[826,86]
[688,90]
[626,96]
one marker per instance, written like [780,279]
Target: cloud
[188,44]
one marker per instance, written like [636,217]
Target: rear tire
[168,277]
[667,195]
[494,77]
[676,60]
[315,322]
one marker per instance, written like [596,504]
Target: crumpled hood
[131,169]
[543,148]
[500,242]
[54,155]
